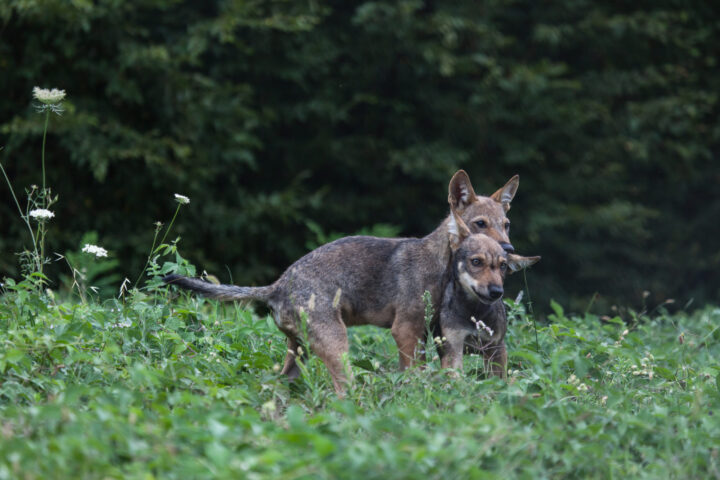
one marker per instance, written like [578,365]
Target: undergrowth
[148,386]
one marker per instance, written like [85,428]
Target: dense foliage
[286,122]
[149,387]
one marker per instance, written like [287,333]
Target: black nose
[495,291]
[507,247]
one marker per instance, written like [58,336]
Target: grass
[146,386]
[151,387]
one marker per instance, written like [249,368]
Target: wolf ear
[458,231]
[505,194]
[517,263]
[460,191]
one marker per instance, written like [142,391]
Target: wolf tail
[220,292]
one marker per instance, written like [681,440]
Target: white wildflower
[181,199]
[47,96]
[269,407]
[41,214]
[95,250]
[479,324]
[125,323]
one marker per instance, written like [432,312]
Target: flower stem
[12,191]
[532,312]
[41,240]
[47,119]
[152,249]
[171,224]
[41,232]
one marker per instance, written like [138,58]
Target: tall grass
[153,387]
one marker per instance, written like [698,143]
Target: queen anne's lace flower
[479,324]
[41,214]
[95,250]
[181,199]
[47,96]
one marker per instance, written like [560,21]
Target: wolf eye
[481,223]
[503,267]
[476,262]
[507,227]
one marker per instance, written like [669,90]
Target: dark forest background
[290,122]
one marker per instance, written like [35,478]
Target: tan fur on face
[475,280]
[492,213]
[491,210]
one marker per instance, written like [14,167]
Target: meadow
[159,385]
[144,382]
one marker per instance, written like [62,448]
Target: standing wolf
[367,280]
[472,315]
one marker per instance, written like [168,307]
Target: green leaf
[365,364]
[558,309]
[295,416]
[14,355]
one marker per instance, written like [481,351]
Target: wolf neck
[438,242]
[466,306]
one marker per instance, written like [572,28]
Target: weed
[187,389]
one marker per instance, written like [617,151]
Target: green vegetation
[287,121]
[153,387]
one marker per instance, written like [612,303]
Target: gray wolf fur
[367,280]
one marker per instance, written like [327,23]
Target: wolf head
[483,214]
[480,263]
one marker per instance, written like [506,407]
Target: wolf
[472,315]
[363,280]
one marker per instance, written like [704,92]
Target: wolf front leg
[408,330]
[452,348]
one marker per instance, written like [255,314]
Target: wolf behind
[364,280]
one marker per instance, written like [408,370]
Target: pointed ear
[517,263]
[507,193]
[460,191]
[458,231]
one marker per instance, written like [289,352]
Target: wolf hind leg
[290,368]
[329,340]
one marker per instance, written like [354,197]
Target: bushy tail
[220,292]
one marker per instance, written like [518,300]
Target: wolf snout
[507,247]
[495,291]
